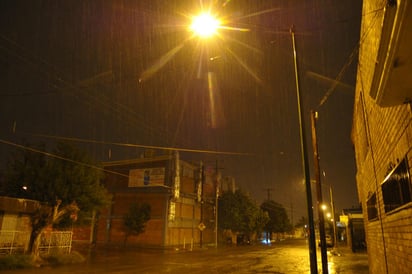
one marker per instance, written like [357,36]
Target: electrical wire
[73,139]
[59,157]
[351,58]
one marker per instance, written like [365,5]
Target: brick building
[382,133]
[173,189]
[353,230]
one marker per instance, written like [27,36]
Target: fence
[13,242]
[56,242]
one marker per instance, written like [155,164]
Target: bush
[62,259]
[15,261]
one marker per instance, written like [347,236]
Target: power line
[351,58]
[74,139]
[60,157]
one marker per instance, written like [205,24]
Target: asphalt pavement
[289,256]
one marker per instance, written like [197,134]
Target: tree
[302,222]
[262,219]
[135,220]
[279,221]
[67,183]
[239,213]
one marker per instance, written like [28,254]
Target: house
[15,225]
[382,133]
[177,193]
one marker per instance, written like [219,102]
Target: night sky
[114,76]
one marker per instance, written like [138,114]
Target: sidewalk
[343,260]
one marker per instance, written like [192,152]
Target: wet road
[289,256]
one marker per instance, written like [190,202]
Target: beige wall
[382,137]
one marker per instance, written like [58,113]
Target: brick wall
[174,218]
[110,228]
[382,138]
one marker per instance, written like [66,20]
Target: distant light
[24,187]
[266,241]
[205,25]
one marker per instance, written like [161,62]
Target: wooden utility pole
[319,195]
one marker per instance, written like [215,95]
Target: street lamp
[305,163]
[204,25]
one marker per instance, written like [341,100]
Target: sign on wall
[146,177]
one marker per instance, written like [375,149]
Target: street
[289,256]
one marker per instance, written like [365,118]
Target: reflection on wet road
[290,256]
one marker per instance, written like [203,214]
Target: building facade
[15,223]
[382,133]
[176,192]
[351,229]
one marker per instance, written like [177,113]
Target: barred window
[396,188]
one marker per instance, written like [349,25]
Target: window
[372,210]
[396,189]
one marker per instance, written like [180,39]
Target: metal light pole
[305,164]
[204,26]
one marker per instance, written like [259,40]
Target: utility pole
[216,201]
[305,162]
[291,219]
[319,196]
[269,190]
[202,182]
[332,204]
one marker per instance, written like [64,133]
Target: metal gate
[55,242]
[12,241]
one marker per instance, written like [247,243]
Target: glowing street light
[204,25]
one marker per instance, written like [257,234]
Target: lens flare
[205,25]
